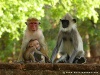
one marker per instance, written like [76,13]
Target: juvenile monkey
[69,43]
[33,32]
[33,49]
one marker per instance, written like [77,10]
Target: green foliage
[80,8]
[13,14]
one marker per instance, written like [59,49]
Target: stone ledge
[49,69]
[49,66]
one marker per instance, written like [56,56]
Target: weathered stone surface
[49,69]
[39,66]
[10,66]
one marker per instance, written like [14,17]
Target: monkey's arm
[55,51]
[23,47]
[43,44]
[32,57]
[75,42]
[42,56]
[28,54]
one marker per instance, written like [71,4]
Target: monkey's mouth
[64,25]
[33,29]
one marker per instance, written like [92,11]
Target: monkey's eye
[34,23]
[30,46]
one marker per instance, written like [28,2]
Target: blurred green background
[13,14]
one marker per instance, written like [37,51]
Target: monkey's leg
[74,54]
[55,51]
[20,58]
[32,57]
[79,60]
[42,59]
[63,59]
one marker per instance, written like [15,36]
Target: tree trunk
[93,50]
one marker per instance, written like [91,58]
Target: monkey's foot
[21,62]
[79,60]
[62,61]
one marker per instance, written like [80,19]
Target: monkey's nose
[65,25]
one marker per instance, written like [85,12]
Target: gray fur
[69,42]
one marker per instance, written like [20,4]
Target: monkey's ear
[26,23]
[74,20]
[60,19]
[39,23]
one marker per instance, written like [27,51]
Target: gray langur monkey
[69,43]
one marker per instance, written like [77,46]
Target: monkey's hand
[33,49]
[63,59]
[54,53]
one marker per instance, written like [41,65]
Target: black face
[65,23]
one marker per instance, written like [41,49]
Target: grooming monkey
[32,52]
[69,43]
[33,32]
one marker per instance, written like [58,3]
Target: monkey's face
[65,23]
[35,44]
[33,26]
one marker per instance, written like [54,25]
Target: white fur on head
[72,25]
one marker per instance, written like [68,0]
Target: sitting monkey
[32,52]
[69,46]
